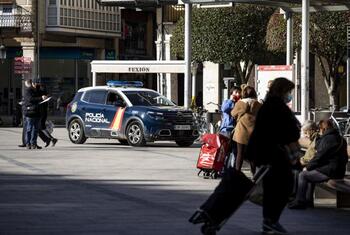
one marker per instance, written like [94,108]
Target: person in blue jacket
[228,121]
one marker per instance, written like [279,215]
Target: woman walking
[273,142]
[244,113]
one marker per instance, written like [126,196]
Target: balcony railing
[23,22]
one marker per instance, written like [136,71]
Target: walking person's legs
[239,156]
[34,133]
[44,137]
[277,188]
[29,127]
[53,139]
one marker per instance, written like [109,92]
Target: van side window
[115,99]
[95,96]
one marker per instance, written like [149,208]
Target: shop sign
[22,65]
[139,69]
[68,53]
[87,54]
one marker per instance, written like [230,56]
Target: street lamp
[194,68]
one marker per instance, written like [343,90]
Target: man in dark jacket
[44,134]
[329,162]
[32,113]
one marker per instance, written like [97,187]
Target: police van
[129,113]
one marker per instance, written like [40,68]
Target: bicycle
[200,116]
[214,125]
[341,124]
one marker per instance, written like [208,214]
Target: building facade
[61,38]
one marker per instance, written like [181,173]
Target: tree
[327,43]
[226,35]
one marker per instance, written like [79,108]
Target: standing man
[32,113]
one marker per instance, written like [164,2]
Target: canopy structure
[288,6]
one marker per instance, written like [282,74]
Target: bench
[341,189]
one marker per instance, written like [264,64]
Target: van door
[94,112]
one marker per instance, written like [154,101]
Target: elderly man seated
[329,162]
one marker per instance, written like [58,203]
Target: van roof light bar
[124,84]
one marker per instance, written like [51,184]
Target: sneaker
[297,205]
[22,145]
[273,228]
[54,141]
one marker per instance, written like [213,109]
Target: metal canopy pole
[305,60]
[188,52]
[289,54]
[348,71]
[93,78]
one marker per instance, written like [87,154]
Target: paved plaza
[102,187]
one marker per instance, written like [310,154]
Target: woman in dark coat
[276,132]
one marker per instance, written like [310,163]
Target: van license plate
[182,127]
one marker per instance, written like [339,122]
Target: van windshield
[147,98]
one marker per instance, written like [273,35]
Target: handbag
[257,195]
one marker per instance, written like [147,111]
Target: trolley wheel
[206,175]
[214,175]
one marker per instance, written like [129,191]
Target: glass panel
[98,97]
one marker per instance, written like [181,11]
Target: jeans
[24,131]
[32,130]
[306,184]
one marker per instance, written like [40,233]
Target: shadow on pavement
[58,204]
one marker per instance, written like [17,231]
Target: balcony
[23,22]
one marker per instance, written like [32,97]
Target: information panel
[265,74]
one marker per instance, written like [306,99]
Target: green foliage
[224,35]
[327,41]
[327,32]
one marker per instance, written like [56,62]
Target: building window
[52,2]
[7,9]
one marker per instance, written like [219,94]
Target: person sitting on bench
[310,131]
[329,162]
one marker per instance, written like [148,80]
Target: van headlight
[155,115]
